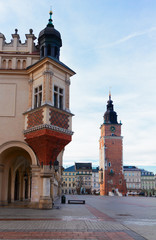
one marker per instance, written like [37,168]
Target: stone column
[45,201]
[1,183]
[35,187]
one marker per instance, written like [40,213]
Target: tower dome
[50,41]
[110,115]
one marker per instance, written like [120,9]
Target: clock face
[112,128]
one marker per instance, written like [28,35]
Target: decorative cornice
[113,137]
[47,126]
[46,104]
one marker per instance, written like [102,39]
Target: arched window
[56,52]
[24,64]
[9,64]
[49,50]
[18,64]
[4,64]
[16,193]
[42,51]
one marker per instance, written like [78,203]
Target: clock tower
[111,154]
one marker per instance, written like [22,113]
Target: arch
[21,145]
[4,64]
[18,64]
[9,186]
[42,51]
[49,50]
[24,64]
[17,183]
[9,64]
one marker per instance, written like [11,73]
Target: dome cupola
[110,115]
[50,41]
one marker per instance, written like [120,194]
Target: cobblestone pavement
[105,218]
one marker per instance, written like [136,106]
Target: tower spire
[50,23]
[110,93]
[110,115]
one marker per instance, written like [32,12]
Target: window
[58,97]
[109,164]
[69,173]
[69,179]
[49,50]
[38,96]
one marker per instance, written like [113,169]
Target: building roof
[130,168]
[95,170]
[146,173]
[70,169]
[110,115]
[83,166]
[54,59]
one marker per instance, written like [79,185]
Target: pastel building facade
[69,180]
[95,181]
[132,176]
[148,182]
[35,117]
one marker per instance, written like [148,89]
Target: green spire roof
[50,23]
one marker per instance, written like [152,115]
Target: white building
[133,179]
[95,181]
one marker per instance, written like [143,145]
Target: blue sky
[108,43]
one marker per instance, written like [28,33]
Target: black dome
[50,41]
[50,32]
[110,115]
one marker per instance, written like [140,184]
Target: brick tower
[111,161]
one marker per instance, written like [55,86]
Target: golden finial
[109,93]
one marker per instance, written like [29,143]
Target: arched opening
[18,64]
[16,173]
[4,64]
[9,187]
[24,64]
[9,64]
[17,184]
[56,52]
[49,50]
[42,51]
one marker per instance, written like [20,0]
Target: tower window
[38,96]
[56,52]
[58,97]
[42,51]
[49,50]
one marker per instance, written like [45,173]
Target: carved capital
[30,81]
[48,72]
[67,81]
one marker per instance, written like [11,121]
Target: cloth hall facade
[35,117]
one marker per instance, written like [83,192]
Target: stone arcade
[35,119]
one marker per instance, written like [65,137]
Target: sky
[110,44]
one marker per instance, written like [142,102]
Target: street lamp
[56,165]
